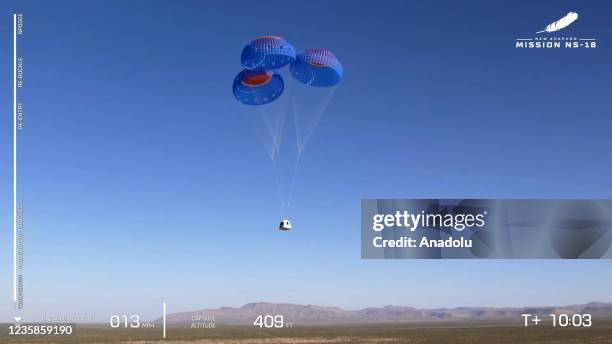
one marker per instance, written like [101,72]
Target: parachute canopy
[257,88]
[260,82]
[267,52]
[317,67]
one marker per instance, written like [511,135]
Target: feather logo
[561,23]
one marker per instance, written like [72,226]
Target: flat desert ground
[354,334]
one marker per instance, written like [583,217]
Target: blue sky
[143,182]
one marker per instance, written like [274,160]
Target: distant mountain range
[315,315]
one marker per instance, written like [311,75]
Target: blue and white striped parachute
[317,67]
[267,53]
[257,88]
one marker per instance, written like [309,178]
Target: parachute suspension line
[274,121]
[307,119]
[275,131]
[293,179]
[279,179]
[285,191]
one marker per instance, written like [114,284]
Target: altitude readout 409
[271,321]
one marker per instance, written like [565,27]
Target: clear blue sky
[142,181]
